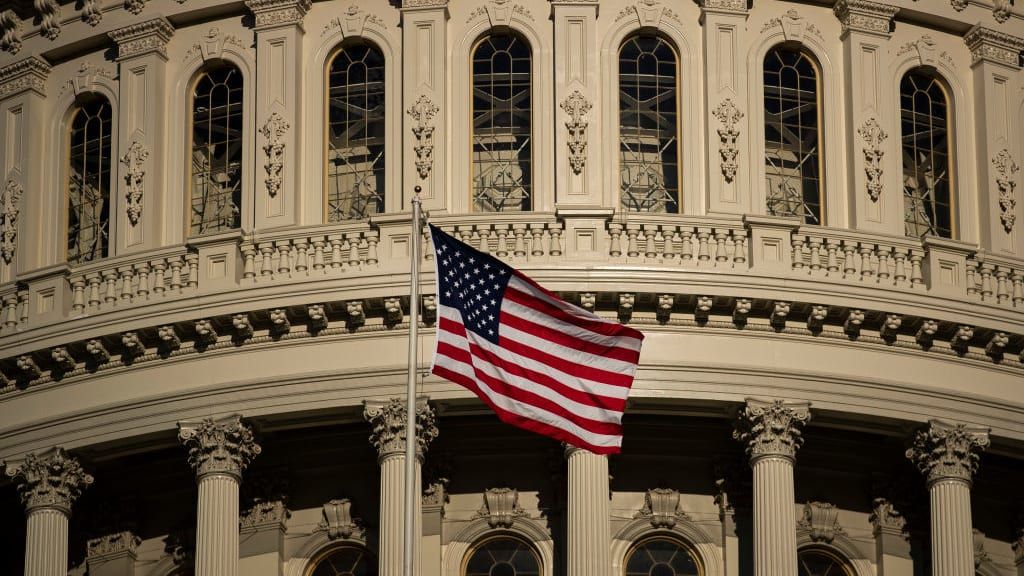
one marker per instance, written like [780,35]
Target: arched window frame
[833,186]
[834,554]
[542,98]
[502,535]
[325,551]
[315,114]
[690,103]
[686,532]
[528,530]
[682,543]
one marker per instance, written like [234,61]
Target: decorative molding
[500,12]
[112,545]
[729,115]
[53,479]
[85,79]
[10,31]
[264,514]
[212,46]
[10,208]
[23,75]
[92,12]
[224,446]
[49,17]
[387,419]
[1002,10]
[821,521]
[980,554]
[647,12]
[925,48]
[424,3]
[865,16]
[149,37]
[988,45]
[772,429]
[793,26]
[132,345]
[134,6]
[661,508]
[277,13]
[874,136]
[352,23]
[723,7]
[134,160]
[886,519]
[338,522]
[576,106]
[273,132]
[948,451]
[959,5]
[501,507]
[1006,179]
[422,112]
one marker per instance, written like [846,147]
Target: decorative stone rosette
[53,479]
[948,451]
[772,428]
[387,419]
[223,446]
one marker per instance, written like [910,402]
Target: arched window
[502,556]
[216,150]
[502,126]
[648,125]
[344,560]
[88,188]
[816,562]
[355,132]
[792,141]
[927,186]
[661,556]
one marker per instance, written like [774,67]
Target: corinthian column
[771,432]
[387,419]
[218,451]
[947,454]
[589,537]
[49,484]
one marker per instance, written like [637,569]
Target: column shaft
[46,543]
[392,514]
[217,526]
[774,517]
[952,539]
[589,538]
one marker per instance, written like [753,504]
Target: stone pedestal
[771,432]
[589,538]
[218,451]
[112,554]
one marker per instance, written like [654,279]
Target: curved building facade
[811,209]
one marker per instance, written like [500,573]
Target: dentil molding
[224,446]
[946,451]
[53,479]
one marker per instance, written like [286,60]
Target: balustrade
[680,241]
[830,254]
[122,281]
[308,252]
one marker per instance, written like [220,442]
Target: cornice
[24,75]
[988,45]
[149,37]
[865,16]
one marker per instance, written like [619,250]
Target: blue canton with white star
[471,282]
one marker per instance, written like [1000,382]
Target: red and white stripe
[557,370]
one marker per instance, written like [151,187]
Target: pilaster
[112,554]
[577,173]
[279,80]
[424,157]
[771,433]
[141,150]
[892,549]
[726,91]
[875,199]
[996,75]
[27,220]
[262,529]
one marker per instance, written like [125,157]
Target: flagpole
[410,407]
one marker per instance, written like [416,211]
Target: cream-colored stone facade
[221,403]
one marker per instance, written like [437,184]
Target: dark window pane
[661,557]
[89,182]
[817,563]
[216,162]
[927,197]
[346,561]
[503,557]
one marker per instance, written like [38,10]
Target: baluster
[267,268]
[865,261]
[353,249]
[78,295]
[632,234]
[556,241]
[125,273]
[721,254]
[884,253]
[11,311]
[1018,288]
[986,281]
[248,261]
[485,239]
[687,245]
[93,280]
[849,255]
[702,239]
[972,278]
[739,253]
[672,239]
[301,258]
[502,231]
[110,280]
[465,234]
[318,255]
[537,246]
[192,260]
[371,247]
[22,306]
[815,244]
[798,252]
[832,261]
[651,234]
[283,254]
[520,231]
[336,247]
[900,274]
[176,264]
[142,273]
[1002,289]
[159,270]
[615,243]
[427,245]
[916,279]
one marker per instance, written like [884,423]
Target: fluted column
[947,454]
[387,419]
[218,451]
[49,484]
[589,538]
[771,432]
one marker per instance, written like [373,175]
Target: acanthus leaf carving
[212,46]
[422,112]
[959,5]
[577,107]
[925,47]
[10,207]
[501,507]
[729,115]
[1001,10]
[112,544]
[885,518]
[772,428]
[338,521]
[92,14]
[134,6]
[53,479]
[49,15]
[265,513]
[793,26]
[661,508]
[873,135]
[10,31]
[948,451]
[273,131]
[499,12]
[224,446]
[1006,180]
[387,419]
[134,159]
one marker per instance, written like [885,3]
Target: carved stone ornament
[27,74]
[422,112]
[338,521]
[885,519]
[661,508]
[874,136]
[134,6]
[116,544]
[10,207]
[10,31]
[724,6]
[925,48]
[988,45]
[499,12]
[1001,10]
[1006,179]
[772,428]
[224,446]
[959,5]
[49,18]
[134,160]
[143,38]
[729,115]
[85,79]
[52,479]
[577,106]
[865,16]
[212,46]
[387,419]
[352,22]
[948,451]
[273,132]
[793,26]
[501,507]
[821,521]
[277,13]
[270,513]
[647,12]
[92,13]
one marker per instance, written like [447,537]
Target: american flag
[539,362]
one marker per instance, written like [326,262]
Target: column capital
[988,45]
[865,16]
[772,428]
[224,446]
[278,13]
[53,479]
[387,418]
[946,451]
[886,519]
[112,545]
[24,75]
[148,37]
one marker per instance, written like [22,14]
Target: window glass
[216,162]
[661,557]
[927,195]
[820,563]
[345,561]
[88,224]
[503,557]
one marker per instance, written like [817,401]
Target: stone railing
[687,241]
[995,280]
[309,252]
[523,237]
[847,256]
[122,281]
